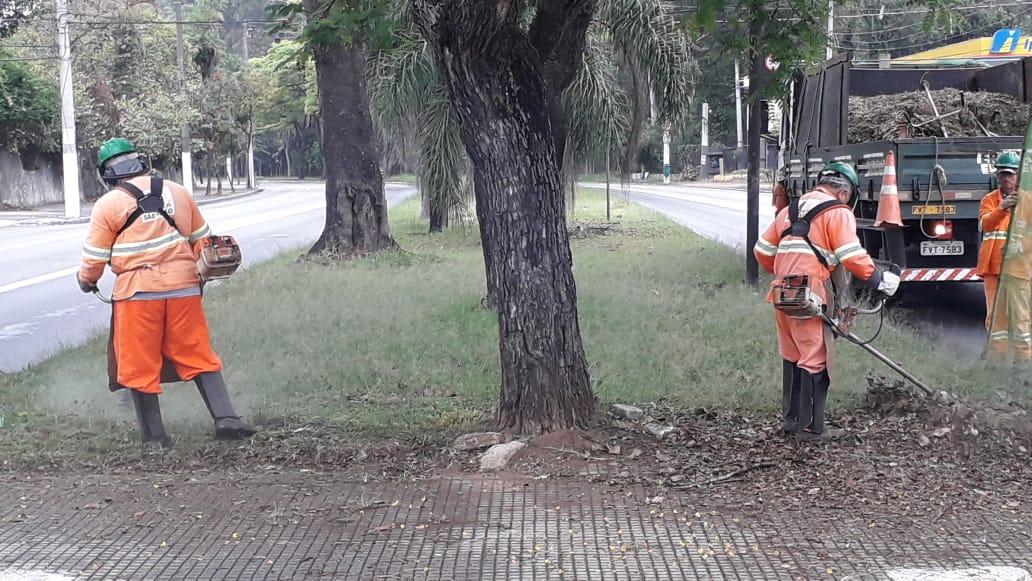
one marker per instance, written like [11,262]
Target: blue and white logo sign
[1005,40]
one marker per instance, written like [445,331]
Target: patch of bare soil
[592,230]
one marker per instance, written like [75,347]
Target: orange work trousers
[1008,320]
[147,332]
[802,341]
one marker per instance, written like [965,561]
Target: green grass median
[399,347]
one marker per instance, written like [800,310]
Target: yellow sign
[926,210]
[1006,44]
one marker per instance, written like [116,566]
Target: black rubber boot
[148,416]
[791,379]
[805,408]
[228,425]
[816,431]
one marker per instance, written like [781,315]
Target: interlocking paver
[233,525]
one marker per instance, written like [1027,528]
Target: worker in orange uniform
[149,230]
[1007,297]
[813,237]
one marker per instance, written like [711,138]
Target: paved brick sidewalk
[303,524]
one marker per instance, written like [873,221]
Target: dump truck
[943,125]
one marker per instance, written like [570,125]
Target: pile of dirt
[876,118]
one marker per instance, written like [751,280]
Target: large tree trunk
[211,162]
[640,98]
[438,218]
[499,92]
[356,206]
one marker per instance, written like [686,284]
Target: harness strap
[801,226]
[146,203]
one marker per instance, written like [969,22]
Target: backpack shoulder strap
[793,216]
[820,208]
[157,186]
[801,226]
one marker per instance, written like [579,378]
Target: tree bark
[438,218]
[356,205]
[211,160]
[640,98]
[501,97]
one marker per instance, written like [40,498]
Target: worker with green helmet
[150,232]
[1004,269]
[811,243]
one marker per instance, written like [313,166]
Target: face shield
[121,167]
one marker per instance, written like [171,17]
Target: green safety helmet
[1008,162]
[118,159]
[840,168]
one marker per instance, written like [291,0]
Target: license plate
[929,210]
[942,248]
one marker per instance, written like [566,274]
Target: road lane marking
[234,225]
[47,240]
[38,279]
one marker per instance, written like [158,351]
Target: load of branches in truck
[960,113]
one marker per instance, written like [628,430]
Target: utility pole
[703,165]
[831,29]
[185,134]
[69,152]
[757,80]
[738,104]
[250,120]
[609,147]
[666,152]
[245,34]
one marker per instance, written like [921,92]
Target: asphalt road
[717,213]
[951,313]
[44,311]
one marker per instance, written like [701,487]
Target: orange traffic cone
[888,200]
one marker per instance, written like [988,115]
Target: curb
[44,220]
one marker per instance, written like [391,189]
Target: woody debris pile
[960,114]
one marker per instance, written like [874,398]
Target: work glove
[87,287]
[1015,247]
[889,283]
[1009,201]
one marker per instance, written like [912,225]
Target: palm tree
[659,60]
[406,89]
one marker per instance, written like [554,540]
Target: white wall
[28,189]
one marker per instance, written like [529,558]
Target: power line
[848,32]
[689,10]
[116,22]
[925,10]
[967,35]
[28,58]
[123,21]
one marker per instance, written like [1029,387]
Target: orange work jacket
[150,255]
[993,221]
[833,232]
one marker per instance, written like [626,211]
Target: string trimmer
[843,324]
